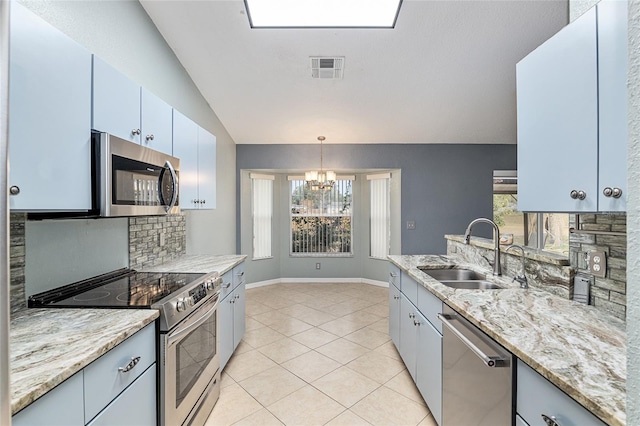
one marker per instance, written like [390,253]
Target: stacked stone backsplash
[609,293]
[17,238]
[547,271]
[156,239]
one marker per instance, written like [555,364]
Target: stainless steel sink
[454,274]
[472,284]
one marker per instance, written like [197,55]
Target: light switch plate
[597,263]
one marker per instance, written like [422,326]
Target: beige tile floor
[318,354]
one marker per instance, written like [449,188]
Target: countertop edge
[199,263]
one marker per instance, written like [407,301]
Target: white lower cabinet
[101,393]
[429,366]
[538,398]
[231,313]
[417,338]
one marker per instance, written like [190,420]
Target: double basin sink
[461,278]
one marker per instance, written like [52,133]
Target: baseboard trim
[316,281]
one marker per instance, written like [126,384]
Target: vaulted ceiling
[444,74]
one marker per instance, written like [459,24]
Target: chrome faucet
[497,270]
[522,278]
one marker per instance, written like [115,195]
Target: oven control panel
[198,293]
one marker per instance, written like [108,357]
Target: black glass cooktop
[124,288]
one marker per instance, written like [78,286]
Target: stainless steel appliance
[477,378]
[189,362]
[132,180]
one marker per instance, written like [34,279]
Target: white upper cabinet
[206,169]
[156,123]
[196,149]
[49,117]
[124,109]
[116,102]
[572,116]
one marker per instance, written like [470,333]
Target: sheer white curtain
[262,213]
[380,212]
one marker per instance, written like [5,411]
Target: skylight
[322,13]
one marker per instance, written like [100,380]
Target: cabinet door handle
[237,296]
[578,194]
[551,420]
[227,285]
[149,137]
[412,315]
[612,192]
[14,190]
[135,132]
[134,361]
[393,275]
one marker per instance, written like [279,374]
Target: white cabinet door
[157,116]
[612,90]
[225,329]
[47,410]
[185,147]
[135,406]
[408,335]
[557,86]
[206,169]
[238,314]
[50,117]
[116,102]
[429,366]
[394,314]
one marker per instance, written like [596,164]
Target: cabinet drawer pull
[393,275]
[551,420]
[134,361]
[227,285]
[612,192]
[240,273]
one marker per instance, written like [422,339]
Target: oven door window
[193,354]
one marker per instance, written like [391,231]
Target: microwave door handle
[174,179]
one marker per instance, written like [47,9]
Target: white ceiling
[445,74]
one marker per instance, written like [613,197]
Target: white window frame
[379,215]
[262,215]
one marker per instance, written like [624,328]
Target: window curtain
[262,213]
[380,212]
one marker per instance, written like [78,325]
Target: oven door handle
[174,180]
[174,337]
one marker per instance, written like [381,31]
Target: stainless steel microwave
[132,180]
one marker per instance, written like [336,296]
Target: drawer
[227,284]
[537,396]
[135,406]
[394,275]
[430,306]
[102,379]
[238,275]
[409,287]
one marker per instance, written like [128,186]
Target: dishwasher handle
[490,361]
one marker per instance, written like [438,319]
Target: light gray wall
[64,251]
[122,33]
[443,187]
[633,220]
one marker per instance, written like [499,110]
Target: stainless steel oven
[132,180]
[190,380]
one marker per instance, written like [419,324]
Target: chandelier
[320,180]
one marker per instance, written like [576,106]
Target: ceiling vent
[327,67]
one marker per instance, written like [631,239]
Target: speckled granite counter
[199,263]
[578,348]
[50,345]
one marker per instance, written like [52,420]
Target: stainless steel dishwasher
[476,375]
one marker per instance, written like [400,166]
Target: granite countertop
[199,263]
[578,348]
[50,345]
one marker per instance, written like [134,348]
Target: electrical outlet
[411,224]
[318,265]
[598,263]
